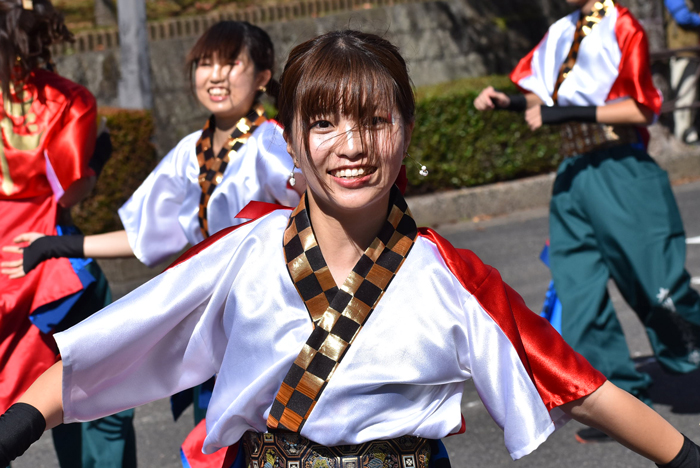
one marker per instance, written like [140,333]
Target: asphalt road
[512,244]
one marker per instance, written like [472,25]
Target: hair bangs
[224,40]
[344,83]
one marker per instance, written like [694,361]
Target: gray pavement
[512,244]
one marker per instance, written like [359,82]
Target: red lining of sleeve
[560,374]
[634,79]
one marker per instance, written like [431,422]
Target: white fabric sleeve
[274,166]
[150,216]
[164,337]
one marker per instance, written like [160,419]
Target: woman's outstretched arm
[39,409]
[45,394]
[629,421]
[109,245]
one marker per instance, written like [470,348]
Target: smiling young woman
[319,364]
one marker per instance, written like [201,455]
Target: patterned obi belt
[583,137]
[290,450]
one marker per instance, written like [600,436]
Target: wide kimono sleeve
[164,337]
[70,147]
[521,367]
[151,216]
[274,165]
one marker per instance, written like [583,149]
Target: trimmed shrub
[134,157]
[463,147]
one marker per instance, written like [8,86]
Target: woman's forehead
[218,56]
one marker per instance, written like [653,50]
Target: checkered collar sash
[338,313]
[211,166]
[584,26]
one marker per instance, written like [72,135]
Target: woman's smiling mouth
[352,173]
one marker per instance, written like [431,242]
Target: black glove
[518,103]
[52,247]
[561,114]
[103,151]
[20,427]
[688,457]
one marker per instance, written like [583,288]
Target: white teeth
[218,91]
[354,172]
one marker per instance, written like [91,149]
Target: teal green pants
[613,215]
[108,442]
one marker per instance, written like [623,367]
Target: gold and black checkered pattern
[289,450]
[584,26]
[339,313]
[212,167]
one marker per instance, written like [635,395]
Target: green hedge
[134,157]
[463,147]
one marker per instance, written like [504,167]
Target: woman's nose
[217,73]
[350,141]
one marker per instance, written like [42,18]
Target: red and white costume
[229,307]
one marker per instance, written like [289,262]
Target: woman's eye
[377,121]
[321,124]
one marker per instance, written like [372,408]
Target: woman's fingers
[28,237]
[13,249]
[483,100]
[13,269]
[533,117]
[489,98]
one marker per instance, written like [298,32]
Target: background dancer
[305,364]
[612,212]
[48,132]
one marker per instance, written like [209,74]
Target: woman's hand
[533,117]
[15,268]
[489,98]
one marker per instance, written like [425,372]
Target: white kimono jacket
[229,307]
[161,217]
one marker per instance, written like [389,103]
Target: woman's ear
[263,78]
[407,132]
[290,150]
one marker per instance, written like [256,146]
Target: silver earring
[292,180]
[423,170]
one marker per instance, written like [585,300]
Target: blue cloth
[681,14]
[49,316]
[551,310]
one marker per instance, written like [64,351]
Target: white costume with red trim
[612,64]
[229,307]
[612,212]
[161,217]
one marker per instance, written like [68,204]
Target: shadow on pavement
[679,391]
